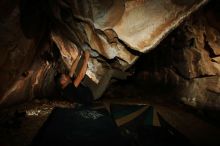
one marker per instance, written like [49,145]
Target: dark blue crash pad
[71,127]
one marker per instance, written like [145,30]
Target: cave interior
[154,66]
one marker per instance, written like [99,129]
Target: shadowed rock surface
[115,31]
[170,48]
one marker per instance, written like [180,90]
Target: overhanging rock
[115,27]
[139,24]
[116,30]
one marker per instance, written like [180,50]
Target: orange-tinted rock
[116,30]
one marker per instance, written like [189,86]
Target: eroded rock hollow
[41,37]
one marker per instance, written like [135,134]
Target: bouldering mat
[79,127]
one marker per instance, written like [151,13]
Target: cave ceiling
[115,31]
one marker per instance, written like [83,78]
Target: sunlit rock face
[115,31]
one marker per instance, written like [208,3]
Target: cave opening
[153,72]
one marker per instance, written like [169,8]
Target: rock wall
[115,31]
[27,65]
[188,60]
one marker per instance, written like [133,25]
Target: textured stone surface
[202,93]
[213,37]
[187,62]
[194,60]
[216,59]
[17,56]
[153,20]
[113,26]
[26,71]
[116,31]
